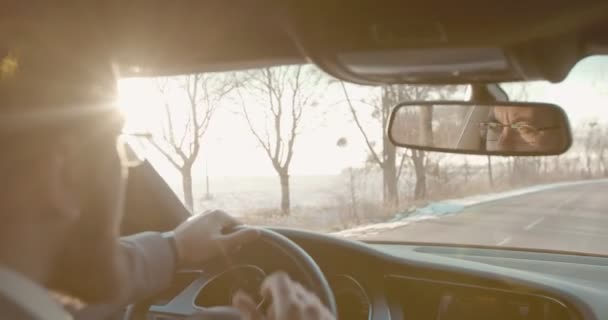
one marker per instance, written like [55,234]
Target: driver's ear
[60,180]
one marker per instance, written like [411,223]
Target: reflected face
[521,129]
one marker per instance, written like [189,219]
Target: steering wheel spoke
[183,304]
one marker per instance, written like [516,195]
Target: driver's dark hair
[45,98]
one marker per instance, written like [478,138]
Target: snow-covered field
[242,195]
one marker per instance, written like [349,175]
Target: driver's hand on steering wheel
[289,301]
[203,236]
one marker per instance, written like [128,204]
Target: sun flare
[138,102]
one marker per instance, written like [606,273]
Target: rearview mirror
[501,128]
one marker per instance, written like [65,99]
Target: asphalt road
[572,218]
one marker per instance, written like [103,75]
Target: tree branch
[192,85]
[401,163]
[168,156]
[296,114]
[275,92]
[186,128]
[264,146]
[169,136]
[358,123]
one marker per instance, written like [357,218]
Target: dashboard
[450,301]
[400,281]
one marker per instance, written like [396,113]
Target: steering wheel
[310,273]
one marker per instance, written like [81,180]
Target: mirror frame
[568,141]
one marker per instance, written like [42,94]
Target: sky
[229,149]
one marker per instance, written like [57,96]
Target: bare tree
[386,158]
[591,137]
[590,147]
[602,148]
[285,93]
[343,143]
[181,139]
[490,173]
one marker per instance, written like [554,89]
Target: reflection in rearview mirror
[464,127]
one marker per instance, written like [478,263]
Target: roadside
[435,210]
[568,218]
[373,219]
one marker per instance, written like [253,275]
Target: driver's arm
[152,259]
[151,264]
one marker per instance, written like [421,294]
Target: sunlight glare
[136,100]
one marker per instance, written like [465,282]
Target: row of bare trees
[181,147]
[276,103]
[453,176]
[273,102]
[389,159]
[285,94]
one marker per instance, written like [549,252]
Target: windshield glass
[291,146]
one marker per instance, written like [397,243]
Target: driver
[63,177]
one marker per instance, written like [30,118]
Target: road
[572,218]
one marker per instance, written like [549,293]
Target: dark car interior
[356,42]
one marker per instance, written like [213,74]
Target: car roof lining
[158,37]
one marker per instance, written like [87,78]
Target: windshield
[291,146]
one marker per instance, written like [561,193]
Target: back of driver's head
[54,84]
[44,95]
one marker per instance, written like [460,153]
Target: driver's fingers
[312,311]
[311,306]
[238,238]
[302,294]
[278,288]
[246,306]
[223,219]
